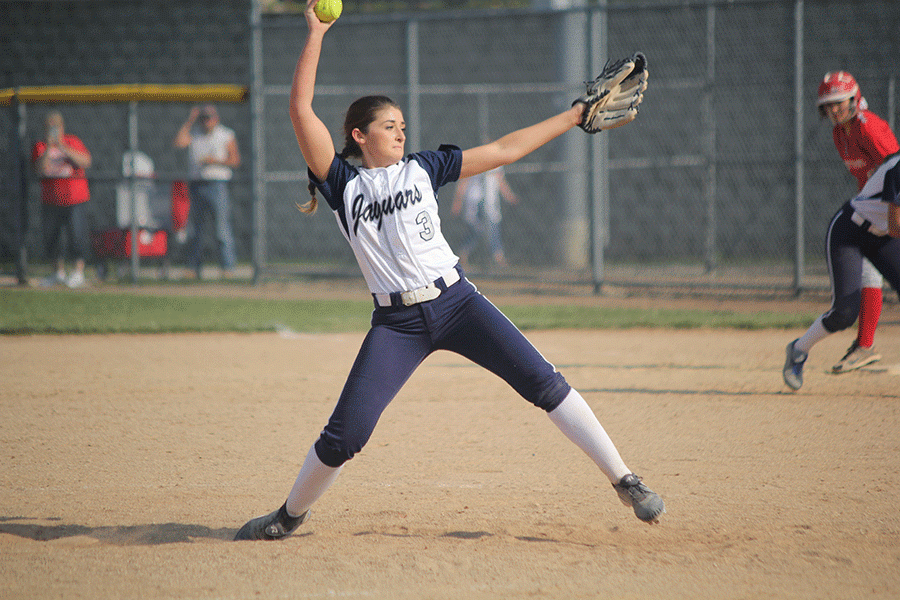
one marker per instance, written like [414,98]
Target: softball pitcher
[864,140]
[866,226]
[387,210]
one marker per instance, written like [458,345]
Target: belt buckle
[423,294]
[866,224]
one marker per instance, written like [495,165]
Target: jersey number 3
[423,219]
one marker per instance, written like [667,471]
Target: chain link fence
[726,180]
[116,43]
[108,130]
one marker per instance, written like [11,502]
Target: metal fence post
[599,205]
[19,118]
[132,189]
[412,85]
[799,151]
[709,124]
[258,155]
[571,34]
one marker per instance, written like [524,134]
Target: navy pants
[460,320]
[65,224]
[847,243]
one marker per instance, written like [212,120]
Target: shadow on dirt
[131,535]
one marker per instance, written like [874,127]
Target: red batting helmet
[838,86]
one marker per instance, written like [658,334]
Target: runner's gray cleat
[856,358]
[273,526]
[793,366]
[647,505]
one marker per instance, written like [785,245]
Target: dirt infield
[129,462]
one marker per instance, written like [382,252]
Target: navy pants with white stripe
[846,244]
[460,320]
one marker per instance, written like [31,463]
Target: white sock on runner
[577,421]
[314,478]
[815,334]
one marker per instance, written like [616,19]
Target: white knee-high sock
[314,478]
[577,421]
[815,334]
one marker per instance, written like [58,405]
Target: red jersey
[63,183]
[869,142]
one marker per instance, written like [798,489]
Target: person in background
[864,140]
[212,155]
[478,200]
[60,160]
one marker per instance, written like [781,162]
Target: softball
[328,10]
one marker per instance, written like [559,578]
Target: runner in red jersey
[864,140]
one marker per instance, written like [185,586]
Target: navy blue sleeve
[332,189]
[891,192]
[443,165]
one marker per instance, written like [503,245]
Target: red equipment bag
[116,243]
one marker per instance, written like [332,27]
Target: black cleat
[273,526]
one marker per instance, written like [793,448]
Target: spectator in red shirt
[864,140]
[60,160]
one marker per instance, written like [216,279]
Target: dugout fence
[725,182]
[137,196]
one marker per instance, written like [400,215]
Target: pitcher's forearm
[513,146]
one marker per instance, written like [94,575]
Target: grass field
[25,311]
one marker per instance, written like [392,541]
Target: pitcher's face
[384,142]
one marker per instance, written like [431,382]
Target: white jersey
[204,145]
[882,189]
[390,217]
[482,198]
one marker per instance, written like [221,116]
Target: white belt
[866,224]
[422,294]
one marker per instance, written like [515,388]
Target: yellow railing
[124,93]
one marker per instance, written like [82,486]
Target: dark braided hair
[360,115]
